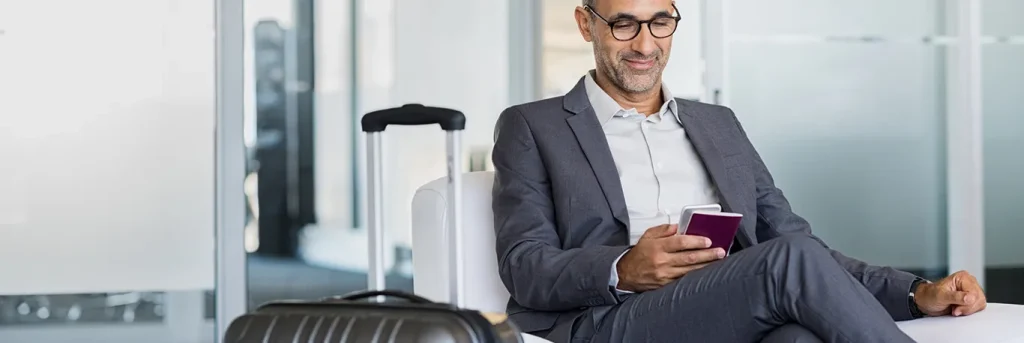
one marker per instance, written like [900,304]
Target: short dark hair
[590,3]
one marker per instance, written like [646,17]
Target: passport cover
[720,227]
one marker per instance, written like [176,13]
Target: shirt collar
[606,108]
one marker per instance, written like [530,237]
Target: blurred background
[895,127]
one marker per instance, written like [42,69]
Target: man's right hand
[661,256]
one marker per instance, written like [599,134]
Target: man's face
[634,65]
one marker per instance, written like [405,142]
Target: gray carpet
[272,279]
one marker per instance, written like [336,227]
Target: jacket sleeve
[537,272]
[775,217]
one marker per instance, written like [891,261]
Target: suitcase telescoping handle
[414,114]
[452,122]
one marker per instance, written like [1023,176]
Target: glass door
[107,213]
[1002,86]
[846,102]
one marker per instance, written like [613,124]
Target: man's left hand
[958,294]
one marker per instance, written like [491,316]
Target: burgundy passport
[720,227]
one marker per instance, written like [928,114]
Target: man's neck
[647,103]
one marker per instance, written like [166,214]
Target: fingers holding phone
[662,256]
[688,253]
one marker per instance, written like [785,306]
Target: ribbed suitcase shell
[337,322]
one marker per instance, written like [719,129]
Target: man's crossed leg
[786,289]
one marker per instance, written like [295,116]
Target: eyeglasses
[625,29]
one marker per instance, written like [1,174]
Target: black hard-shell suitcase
[380,315]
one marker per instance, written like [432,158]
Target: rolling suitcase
[381,315]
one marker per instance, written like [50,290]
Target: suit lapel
[590,135]
[704,143]
[595,146]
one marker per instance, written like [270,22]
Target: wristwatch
[914,310]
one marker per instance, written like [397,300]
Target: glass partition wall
[846,102]
[1002,84]
[892,126]
[107,207]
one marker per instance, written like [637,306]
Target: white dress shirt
[658,168]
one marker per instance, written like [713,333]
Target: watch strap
[915,311]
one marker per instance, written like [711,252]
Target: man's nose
[644,42]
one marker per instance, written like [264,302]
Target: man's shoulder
[697,108]
[531,116]
[540,109]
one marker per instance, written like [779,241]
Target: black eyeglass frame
[640,24]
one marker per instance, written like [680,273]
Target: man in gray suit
[588,185]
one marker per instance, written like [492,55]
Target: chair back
[483,287]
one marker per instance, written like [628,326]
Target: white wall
[106,133]
[684,73]
[333,116]
[448,53]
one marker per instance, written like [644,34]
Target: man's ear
[583,22]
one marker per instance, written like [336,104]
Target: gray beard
[633,83]
[620,76]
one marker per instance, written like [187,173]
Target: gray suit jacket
[560,216]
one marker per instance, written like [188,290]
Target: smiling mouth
[640,64]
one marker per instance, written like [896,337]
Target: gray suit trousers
[791,333]
[788,289]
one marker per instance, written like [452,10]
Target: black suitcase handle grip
[388,293]
[414,114]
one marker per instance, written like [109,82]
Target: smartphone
[687,213]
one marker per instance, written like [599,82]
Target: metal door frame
[231,286]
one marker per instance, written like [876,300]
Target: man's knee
[782,252]
[796,244]
[791,333]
